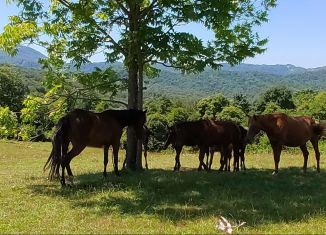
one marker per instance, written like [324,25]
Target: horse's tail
[56,154]
[320,128]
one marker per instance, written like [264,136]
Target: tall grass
[158,200]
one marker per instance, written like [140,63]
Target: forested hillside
[247,79]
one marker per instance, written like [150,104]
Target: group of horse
[82,128]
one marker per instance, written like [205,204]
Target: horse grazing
[84,128]
[227,162]
[283,130]
[204,133]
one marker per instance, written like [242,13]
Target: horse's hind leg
[305,156]
[314,143]
[106,159]
[77,149]
[211,159]
[177,164]
[115,150]
[236,153]
[242,158]
[222,159]
[145,156]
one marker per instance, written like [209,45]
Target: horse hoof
[199,169]
[275,172]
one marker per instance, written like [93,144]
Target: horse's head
[253,128]
[140,122]
[170,137]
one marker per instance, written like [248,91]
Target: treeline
[164,112]
[27,113]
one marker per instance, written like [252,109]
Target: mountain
[247,79]
[26,57]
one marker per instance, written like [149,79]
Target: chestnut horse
[204,133]
[84,128]
[284,130]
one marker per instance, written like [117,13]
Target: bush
[233,113]
[8,123]
[209,107]
[177,115]
[158,125]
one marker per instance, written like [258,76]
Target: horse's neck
[274,124]
[267,123]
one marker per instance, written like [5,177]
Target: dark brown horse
[284,130]
[84,128]
[227,162]
[204,133]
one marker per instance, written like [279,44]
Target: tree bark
[139,163]
[132,63]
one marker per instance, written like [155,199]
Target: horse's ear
[255,117]
[145,111]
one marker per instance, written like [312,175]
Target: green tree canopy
[209,107]
[242,102]
[8,123]
[317,106]
[233,113]
[12,89]
[281,96]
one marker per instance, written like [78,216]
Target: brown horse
[84,128]
[284,130]
[227,162]
[204,133]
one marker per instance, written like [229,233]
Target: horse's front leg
[177,164]
[305,156]
[115,156]
[236,156]
[106,159]
[202,152]
[277,148]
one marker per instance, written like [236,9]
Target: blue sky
[296,33]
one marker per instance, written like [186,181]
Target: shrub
[8,123]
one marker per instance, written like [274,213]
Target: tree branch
[123,8]
[94,23]
[146,10]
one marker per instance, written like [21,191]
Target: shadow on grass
[254,196]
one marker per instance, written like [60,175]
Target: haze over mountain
[248,79]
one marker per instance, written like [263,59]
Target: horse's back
[205,132]
[292,130]
[92,129]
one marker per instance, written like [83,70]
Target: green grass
[158,200]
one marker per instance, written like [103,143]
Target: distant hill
[26,57]
[248,79]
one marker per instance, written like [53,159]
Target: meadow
[159,200]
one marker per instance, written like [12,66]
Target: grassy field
[158,200]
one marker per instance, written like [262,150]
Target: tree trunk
[132,104]
[132,63]
[139,165]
